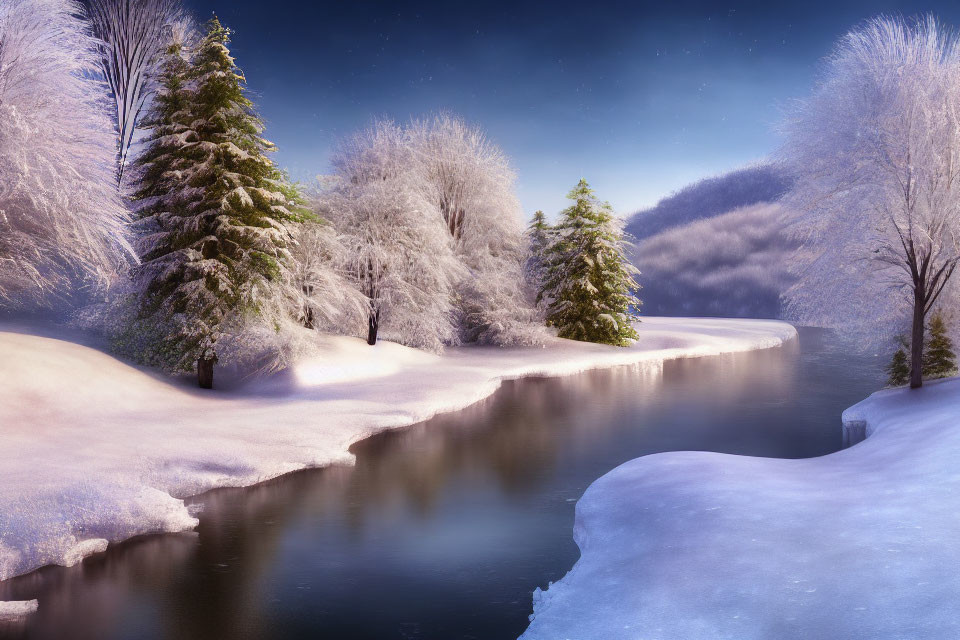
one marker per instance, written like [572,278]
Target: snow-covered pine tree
[898,371]
[939,359]
[161,185]
[538,242]
[218,248]
[590,283]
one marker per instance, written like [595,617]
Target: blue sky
[638,98]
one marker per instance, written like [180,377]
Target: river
[442,530]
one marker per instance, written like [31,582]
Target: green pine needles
[214,206]
[898,371]
[539,237]
[589,284]
[939,359]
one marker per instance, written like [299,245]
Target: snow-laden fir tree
[939,359]
[590,285]
[400,254]
[898,371]
[539,236]
[162,183]
[62,222]
[215,206]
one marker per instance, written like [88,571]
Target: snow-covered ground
[862,543]
[93,450]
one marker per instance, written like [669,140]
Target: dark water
[442,530]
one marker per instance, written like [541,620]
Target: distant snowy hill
[710,197]
[716,247]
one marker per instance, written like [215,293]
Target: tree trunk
[308,308]
[205,372]
[373,326]
[916,339]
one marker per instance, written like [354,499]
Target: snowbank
[862,543]
[16,609]
[93,450]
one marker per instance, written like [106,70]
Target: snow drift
[858,544]
[93,451]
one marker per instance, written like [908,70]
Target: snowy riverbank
[93,450]
[861,543]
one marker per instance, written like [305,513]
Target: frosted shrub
[319,289]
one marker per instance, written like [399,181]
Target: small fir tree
[216,207]
[589,287]
[538,238]
[939,360]
[898,371]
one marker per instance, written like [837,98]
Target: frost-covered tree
[470,185]
[467,176]
[61,219]
[319,290]
[135,34]
[400,254]
[876,153]
[939,359]
[215,209]
[590,285]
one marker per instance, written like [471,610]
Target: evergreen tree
[898,371]
[939,360]
[169,122]
[589,287]
[215,206]
[538,236]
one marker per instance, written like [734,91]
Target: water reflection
[441,530]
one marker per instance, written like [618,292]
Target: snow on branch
[134,33]
[876,152]
[467,180]
[61,218]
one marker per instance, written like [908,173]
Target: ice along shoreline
[96,451]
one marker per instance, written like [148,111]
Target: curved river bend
[444,529]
